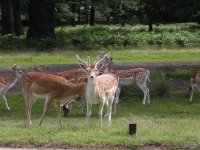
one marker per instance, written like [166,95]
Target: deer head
[39,67]
[16,70]
[92,70]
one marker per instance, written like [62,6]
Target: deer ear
[82,66]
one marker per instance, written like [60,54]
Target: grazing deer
[194,83]
[67,105]
[127,77]
[8,83]
[99,89]
[75,76]
[50,87]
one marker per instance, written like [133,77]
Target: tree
[17,17]
[7,17]
[150,10]
[11,17]
[41,19]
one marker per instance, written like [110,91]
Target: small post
[132,128]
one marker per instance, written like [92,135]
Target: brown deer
[99,89]
[8,83]
[127,77]
[194,84]
[50,87]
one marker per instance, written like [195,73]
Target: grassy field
[169,122]
[25,58]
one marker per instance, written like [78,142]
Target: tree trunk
[150,23]
[73,10]
[92,15]
[41,19]
[108,19]
[79,16]
[7,17]
[17,17]
[87,17]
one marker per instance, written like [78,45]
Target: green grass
[27,58]
[166,122]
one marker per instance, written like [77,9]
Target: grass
[27,58]
[166,122]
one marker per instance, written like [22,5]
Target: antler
[97,62]
[81,61]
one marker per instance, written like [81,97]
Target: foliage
[102,36]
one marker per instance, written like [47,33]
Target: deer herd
[95,83]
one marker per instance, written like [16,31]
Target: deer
[67,105]
[127,77]
[8,83]
[99,89]
[49,87]
[74,76]
[194,84]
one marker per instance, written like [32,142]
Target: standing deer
[50,87]
[194,83]
[99,89]
[127,77]
[8,83]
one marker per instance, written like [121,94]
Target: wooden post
[132,128]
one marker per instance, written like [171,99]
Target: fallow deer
[99,89]
[127,77]
[194,83]
[50,87]
[8,83]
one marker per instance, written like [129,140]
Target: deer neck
[12,82]
[108,68]
[77,88]
[91,92]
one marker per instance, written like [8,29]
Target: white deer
[194,83]
[127,77]
[100,89]
[50,87]
[8,83]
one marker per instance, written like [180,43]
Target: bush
[114,36]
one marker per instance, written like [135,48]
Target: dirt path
[155,66]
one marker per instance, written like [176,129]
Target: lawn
[170,122]
[27,58]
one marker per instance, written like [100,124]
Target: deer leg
[110,102]
[82,104]
[101,112]
[148,95]
[106,103]
[59,112]
[5,100]
[192,93]
[88,114]
[46,107]
[28,101]
[144,90]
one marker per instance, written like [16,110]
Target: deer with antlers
[194,84]
[127,77]
[99,89]
[8,83]
[48,86]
